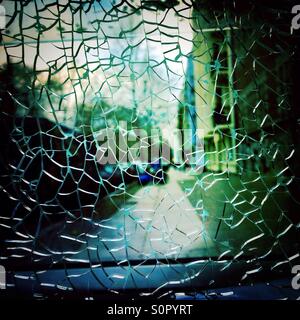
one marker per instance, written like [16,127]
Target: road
[156,221]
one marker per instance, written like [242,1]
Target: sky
[128,60]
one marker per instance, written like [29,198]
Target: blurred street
[187,217]
[157,221]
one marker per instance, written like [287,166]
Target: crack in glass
[84,81]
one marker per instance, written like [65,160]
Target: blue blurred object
[154,172]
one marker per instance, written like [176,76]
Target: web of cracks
[73,70]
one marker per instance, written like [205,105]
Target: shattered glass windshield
[147,145]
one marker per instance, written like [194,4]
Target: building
[238,91]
